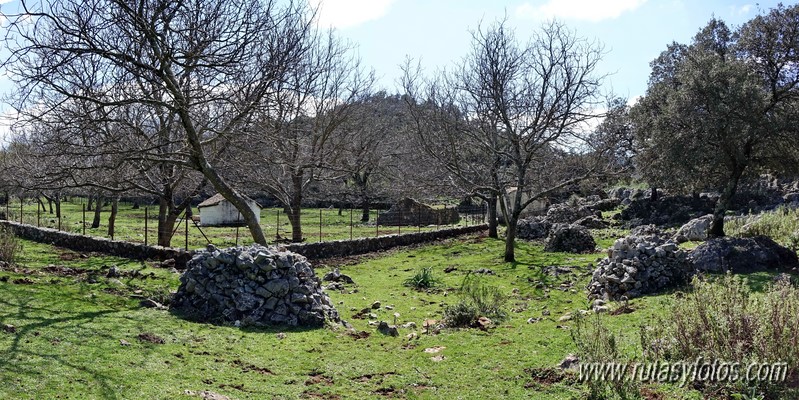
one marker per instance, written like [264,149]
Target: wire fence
[140,225]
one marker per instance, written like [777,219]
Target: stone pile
[566,214]
[570,238]
[637,265]
[255,285]
[696,229]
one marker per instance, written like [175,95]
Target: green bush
[422,279]
[476,299]
[597,344]
[9,245]
[782,225]
[725,320]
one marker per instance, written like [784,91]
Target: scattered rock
[150,303]
[483,323]
[570,361]
[113,272]
[566,317]
[9,328]
[376,305]
[450,269]
[206,395]
[386,329]
[336,276]
[484,271]
[434,349]
[124,342]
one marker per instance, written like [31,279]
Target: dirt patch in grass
[547,377]
[151,338]
[388,392]
[358,334]
[251,368]
[650,394]
[316,378]
[368,377]
[624,309]
[315,395]
[23,281]
[60,270]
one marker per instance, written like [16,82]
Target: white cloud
[5,1]
[744,9]
[586,10]
[344,14]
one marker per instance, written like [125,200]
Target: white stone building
[217,211]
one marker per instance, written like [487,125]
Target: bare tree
[297,139]
[511,115]
[209,65]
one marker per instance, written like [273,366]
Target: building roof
[218,198]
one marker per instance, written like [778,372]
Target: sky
[437,32]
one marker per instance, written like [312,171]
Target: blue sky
[436,32]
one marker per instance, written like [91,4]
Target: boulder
[696,229]
[743,255]
[253,285]
[571,239]
[532,228]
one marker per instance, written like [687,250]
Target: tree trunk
[49,204]
[654,196]
[136,205]
[57,202]
[89,201]
[113,217]
[365,209]
[295,208]
[491,205]
[510,237]
[723,203]
[97,209]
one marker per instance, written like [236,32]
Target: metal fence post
[377,224]
[84,222]
[238,222]
[350,223]
[399,223]
[146,218]
[277,226]
[20,210]
[38,215]
[186,234]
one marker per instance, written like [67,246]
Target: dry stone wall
[138,251]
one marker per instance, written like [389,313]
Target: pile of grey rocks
[255,286]
[570,238]
[637,265]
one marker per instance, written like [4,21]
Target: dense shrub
[725,321]
[9,245]
[781,225]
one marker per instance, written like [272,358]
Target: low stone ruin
[637,265]
[570,238]
[743,255]
[409,212]
[255,285]
[565,214]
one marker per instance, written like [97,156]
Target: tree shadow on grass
[31,320]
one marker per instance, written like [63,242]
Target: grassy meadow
[71,332]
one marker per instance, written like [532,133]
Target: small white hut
[217,211]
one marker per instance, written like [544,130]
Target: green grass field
[81,335]
[130,225]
